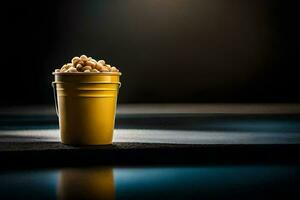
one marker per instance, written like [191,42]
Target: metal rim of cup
[87,73]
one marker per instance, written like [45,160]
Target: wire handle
[55,98]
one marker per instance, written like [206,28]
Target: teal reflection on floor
[240,182]
[208,182]
[30,184]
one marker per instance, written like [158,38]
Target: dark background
[167,50]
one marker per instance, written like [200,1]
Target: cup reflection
[87,183]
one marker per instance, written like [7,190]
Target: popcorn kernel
[84,58]
[102,62]
[72,69]
[75,60]
[87,68]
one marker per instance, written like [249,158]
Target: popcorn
[69,65]
[104,69]
[87,65]
[72,69]
[114,69]
[102,62]
[93,60]
[79,67]
[91,63]
[86,68]
[75,60]
[84,58]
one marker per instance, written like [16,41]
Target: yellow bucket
[86,106]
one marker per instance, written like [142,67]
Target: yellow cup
[86,106]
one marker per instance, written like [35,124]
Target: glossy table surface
[154,182]
[155,156]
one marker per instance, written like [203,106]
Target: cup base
[85,145]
